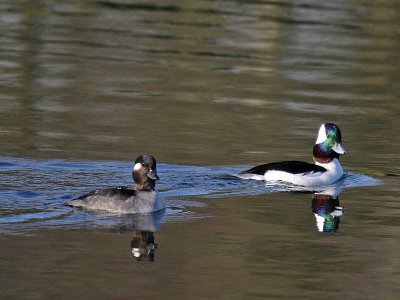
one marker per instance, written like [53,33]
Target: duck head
[145,172]
[329,143]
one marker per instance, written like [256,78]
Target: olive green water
[203,83]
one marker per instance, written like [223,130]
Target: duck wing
[120,193]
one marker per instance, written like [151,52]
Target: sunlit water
[34,193]
[209,88]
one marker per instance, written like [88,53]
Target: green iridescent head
[329,143]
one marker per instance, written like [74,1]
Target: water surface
[209,88]
[34,193]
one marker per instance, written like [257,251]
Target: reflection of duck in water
[143,245]
[325,171]
[326,209]
[143,240]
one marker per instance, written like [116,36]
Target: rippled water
[34,192]
[209,88]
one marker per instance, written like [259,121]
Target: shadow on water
[33,194]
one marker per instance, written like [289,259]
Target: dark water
[209,88]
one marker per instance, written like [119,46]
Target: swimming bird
[326,169]
[142,198]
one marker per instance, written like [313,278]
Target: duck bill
[152,175]
[338,148]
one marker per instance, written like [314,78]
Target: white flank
[333,173]
[251,176]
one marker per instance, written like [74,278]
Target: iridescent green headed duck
[325,171]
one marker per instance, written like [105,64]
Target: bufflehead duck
[142,198]
[325,171]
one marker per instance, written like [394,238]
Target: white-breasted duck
[326,169]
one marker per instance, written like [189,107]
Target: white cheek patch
[137,167]
[321,134]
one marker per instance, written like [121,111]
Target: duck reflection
[143,243]
[326,209]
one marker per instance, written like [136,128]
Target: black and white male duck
[325,171]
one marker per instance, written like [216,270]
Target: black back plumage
[290,166]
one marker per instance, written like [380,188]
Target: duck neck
[147,185]
[142,182]
[323,153]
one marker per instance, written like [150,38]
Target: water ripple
[33,193]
